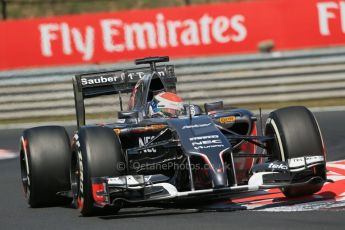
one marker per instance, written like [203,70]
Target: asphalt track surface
[15,214]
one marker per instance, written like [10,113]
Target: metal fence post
[4,9]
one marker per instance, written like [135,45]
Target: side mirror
[128,114]
[214,106]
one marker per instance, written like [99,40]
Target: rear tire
[44,161]
[97,153]
[297,134]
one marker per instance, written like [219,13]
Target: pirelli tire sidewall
[98,152]
[297,134]
[45,165]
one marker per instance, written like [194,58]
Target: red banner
[200,30]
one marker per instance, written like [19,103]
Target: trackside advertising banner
[200,30]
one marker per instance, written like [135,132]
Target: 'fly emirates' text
[119,36]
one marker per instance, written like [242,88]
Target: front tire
[97,153]
[297,134]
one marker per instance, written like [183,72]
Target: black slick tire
[297,134]
[45,165]
[97,152]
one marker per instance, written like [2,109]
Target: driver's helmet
[166,104]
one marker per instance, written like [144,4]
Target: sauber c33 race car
[199,153]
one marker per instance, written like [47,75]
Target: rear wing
[90,85]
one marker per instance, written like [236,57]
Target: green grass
[43,8]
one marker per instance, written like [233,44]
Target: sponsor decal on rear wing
[112,82]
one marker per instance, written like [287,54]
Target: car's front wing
[138,189]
